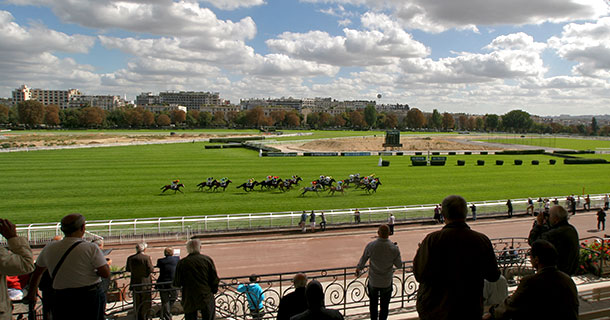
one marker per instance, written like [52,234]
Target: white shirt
[79,268]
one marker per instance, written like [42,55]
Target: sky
[546,57]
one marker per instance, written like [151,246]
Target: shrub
[499,162]
[467,153]
[484,152]
[583,161]
[452,153]
[518,162]
[536,151]
[535,162]
[461,162]
[552,161]
[591,254]
[480,162]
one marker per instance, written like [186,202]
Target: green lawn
[555,142]
[124,182]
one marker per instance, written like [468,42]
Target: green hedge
[461,162]
[499,162]
[518,162]
[583,161]
[535,162]
[535,151]
[484,152]
[480,162]
[552,161]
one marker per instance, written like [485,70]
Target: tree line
[33,114]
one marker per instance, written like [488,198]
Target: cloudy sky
[546,57]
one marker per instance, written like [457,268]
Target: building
[60,98]
[103,102]
[190,99]
[289,103]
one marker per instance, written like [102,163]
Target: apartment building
[60,98]
[104,102]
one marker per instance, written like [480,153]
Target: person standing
[322,221]
[391,221]
[312,221]
[196,276]
[561,234]
[450,266]
[294,302]
[548,294]
[606,202]
[530,205]
[473,208]
[315,305]
[140,266]
[303,223]
[76,278]
[255,297]
[19,260]
[357,216]
[437,214]
[601,219]
[509,206]
[167,269]
[383,256]
[587,205]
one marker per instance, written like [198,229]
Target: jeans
[383,295]
[79,303]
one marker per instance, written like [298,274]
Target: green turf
[554,142]
[124,182]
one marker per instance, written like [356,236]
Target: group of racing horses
[324,183]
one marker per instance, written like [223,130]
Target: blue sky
[544,57]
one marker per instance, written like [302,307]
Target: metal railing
[181,228]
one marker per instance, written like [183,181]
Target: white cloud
[235,4]
[588,44]
[382,43]
[159,17]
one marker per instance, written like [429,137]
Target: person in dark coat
[548,294]
[509,206]
[294,302]
[315,305]
[561,234]
[167,269]
[197,276]
[601,219]
[140,267]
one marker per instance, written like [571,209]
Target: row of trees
[32,114]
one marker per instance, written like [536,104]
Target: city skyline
[460,56]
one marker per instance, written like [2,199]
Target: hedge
[552,161]
[574,151]
[452,153]
[518,162]
[461,162]
[467,153]
[499,162]
[535,151]
[480,162]
[484,152]
[583,161]
[535,162]
[436,153]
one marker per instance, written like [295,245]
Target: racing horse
[312,188]
[286,185]
[334,189]
[171,187]
[372,186]
[222,184]
[208,184]
[270,184]
[248,186]
[325,183]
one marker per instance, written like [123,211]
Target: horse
[224,184]
[172,187]
[325,183]
[295,180]
[353,179]
[247,186]
[334,189]
[270,183]
[208,184]
[286,185]
[372,186]
[313,188]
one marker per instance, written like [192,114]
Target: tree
[192,118]
[390,121]
[51,115]
[370,115]
[278,116]
[492,122]
[292,119]
[415,119]
[218,119]
[4,111]
[517,120]
[178,116]
[116,117]
[31,112]
[471,124]
[312,119]
[148,118]
[70,118]
[462,122]
[256,117]
[232,117]
[134,117]
[92,117]
[324,120]
[356,118]
[436,121]
[339,120]
[163,120]
[448,121]
[205,119]
[594,126]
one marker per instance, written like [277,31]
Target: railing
[344,291]
[181,228]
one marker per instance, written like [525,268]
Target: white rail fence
[181,228]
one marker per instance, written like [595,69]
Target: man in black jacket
[561,234]
[167,269]
[315,305]
[294,302]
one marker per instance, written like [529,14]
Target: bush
[583,161]
[483,152]
[418,153]
[499,162]
[480,162]
[536,151]
[436,153]
[461,162]
[535,162]
[552,161]
[452,153]
[518,162]
[467,153]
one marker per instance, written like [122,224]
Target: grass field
[124,182]
[554,142]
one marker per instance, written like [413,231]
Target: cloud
[440,15]
[588,44]
[382,42]
[158,17]
[235,4]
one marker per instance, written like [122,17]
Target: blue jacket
[254,294]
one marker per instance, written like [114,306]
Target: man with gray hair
[556,229]
[140,266]
[294,302]
[196,276]
[450,266]
[75,267]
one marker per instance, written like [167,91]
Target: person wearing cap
[77,281]
[140,266]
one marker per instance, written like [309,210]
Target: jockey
[351,177]
[339,184]
[275,178]
[314,183]
[175,183]
[328,179]
[209,181]
[268,178]
[365,180]
[250,182]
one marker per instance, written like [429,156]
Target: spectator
[437,214]
[76,279]
[315,305]
[294,302]
[255,297]
[391,221]
[473,208]
[451,265]
[606,202]
[14,288]
[530,205]
[587,205]
[561,234]
[196,275]
[383,255]
[601,219]
[509,206]
[556,202]
[540,203]
[46,288]
[302,223]
[322,221]
[312,221]
[19,260]
[357,216]
[140,267]
[495,292]
[167,269]
[548,294]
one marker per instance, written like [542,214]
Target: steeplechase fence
[182,228]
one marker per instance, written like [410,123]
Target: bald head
[454,208]
[72,223]
[557,214]
[383,231]
[300,280]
